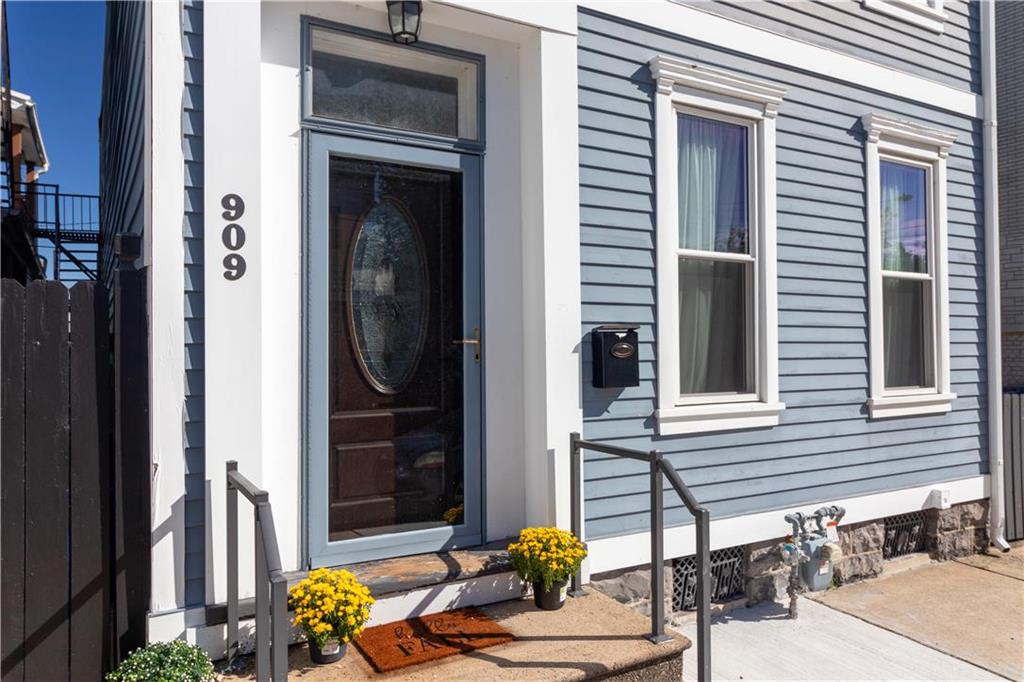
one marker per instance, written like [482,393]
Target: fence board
[56,455]
[1013,464]
[46,480]
[131,458]
[1008,464]
[12,479]
[90,631]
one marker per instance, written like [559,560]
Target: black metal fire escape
[67,223]
[50,233]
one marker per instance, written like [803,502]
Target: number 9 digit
[235,267]
[234,206]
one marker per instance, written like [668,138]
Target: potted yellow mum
[547,557]
[332,607]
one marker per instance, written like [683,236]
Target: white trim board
[165,256]
[624,551]
[689,22]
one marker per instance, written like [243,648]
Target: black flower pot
[549,600]
[332,651]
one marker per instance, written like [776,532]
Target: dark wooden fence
[1013,464]
[74,505]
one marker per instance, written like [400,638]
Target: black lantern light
[404,20]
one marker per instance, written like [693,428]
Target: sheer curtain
[905,324]
[712,218]
[905,341]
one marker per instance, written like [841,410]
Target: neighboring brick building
[1010,98]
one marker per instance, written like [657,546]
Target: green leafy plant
[174,661]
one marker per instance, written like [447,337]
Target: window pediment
[672,74]
[887,130]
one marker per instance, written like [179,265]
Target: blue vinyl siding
[952,57]
[192,225]
[122,128]
[825,446]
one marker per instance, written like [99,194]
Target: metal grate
[726,578]
[904,534]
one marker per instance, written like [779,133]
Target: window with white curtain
[715,263]
[717,308]
[907,268]
[927,14]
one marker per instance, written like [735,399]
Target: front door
[393,353]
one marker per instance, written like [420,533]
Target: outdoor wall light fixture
[404,20]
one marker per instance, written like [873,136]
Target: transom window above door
[360,80]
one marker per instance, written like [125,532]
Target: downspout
[993,323]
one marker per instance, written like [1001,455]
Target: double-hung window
[907,268]
[717,311]
[925,13]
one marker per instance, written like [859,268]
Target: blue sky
[57,57]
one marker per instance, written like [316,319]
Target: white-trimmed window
[907,267]
[925,13]
[717,296]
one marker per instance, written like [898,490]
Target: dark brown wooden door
[395,387]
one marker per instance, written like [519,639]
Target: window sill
[910,405]
[679,420]
[916,13]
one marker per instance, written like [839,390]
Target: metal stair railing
[272,613]
[70,222]
[659,470]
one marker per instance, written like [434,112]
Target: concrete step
[591,637]
[417,585]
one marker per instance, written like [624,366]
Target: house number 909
[233,236]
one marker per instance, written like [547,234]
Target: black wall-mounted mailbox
[616,356]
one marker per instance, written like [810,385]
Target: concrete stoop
[590,638]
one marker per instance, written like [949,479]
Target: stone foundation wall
[958,531]
[632,586]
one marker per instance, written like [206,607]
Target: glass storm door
[393,388]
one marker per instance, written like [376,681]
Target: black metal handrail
[660,468]
[272,614]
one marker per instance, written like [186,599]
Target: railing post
[231,649]
[279,623]
[576,500]
[56,231]
[262,623]
[703,523]
[657,551]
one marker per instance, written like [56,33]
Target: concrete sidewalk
[762,643]
[971,608]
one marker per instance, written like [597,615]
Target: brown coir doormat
[428,638]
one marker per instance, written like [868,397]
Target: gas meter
[811,551]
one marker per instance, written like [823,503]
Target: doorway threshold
[397,575]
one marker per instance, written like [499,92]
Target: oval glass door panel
[396,423]
[387,302]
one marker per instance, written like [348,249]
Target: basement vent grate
[904,534]
[726,578]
